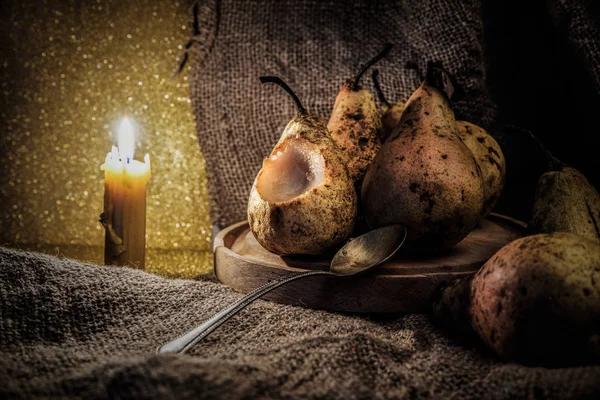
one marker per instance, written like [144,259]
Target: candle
[124,216]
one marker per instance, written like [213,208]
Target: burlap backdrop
[315,45]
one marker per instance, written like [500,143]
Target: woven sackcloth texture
[314,46]
[80,331]
[493,48]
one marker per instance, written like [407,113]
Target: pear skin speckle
[317,220]
[439,199]
[356,127]
[390,119]
[566,202]
[537,300]
[490,159]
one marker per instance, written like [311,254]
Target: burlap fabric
[542,58]
[314,46]
[72,330]
[80,331]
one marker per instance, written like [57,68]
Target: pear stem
[554,164]
[278,81]
[354,82]
[438,77]
[380,94]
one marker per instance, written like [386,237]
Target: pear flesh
[292,171]
[303,200]
[424,176]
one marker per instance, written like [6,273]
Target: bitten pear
[303,200]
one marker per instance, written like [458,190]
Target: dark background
[542,66]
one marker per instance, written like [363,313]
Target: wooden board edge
[225,254]
[226,237]
[229,278]
[221,237]
[224,234]
[515,223]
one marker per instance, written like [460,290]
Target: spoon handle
[189,339]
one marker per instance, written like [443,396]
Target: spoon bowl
[368,250]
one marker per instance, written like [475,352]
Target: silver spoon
[357,256]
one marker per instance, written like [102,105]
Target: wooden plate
[404,284]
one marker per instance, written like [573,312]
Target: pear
[450,306]
[537,300]
[490,160]
[484,147]
[391,113]
[303,200]
[424,176]
[565,202]
[355,124]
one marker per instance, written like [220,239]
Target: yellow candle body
[124,216]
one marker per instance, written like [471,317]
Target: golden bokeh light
[69,72]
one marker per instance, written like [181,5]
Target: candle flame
[126,139]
